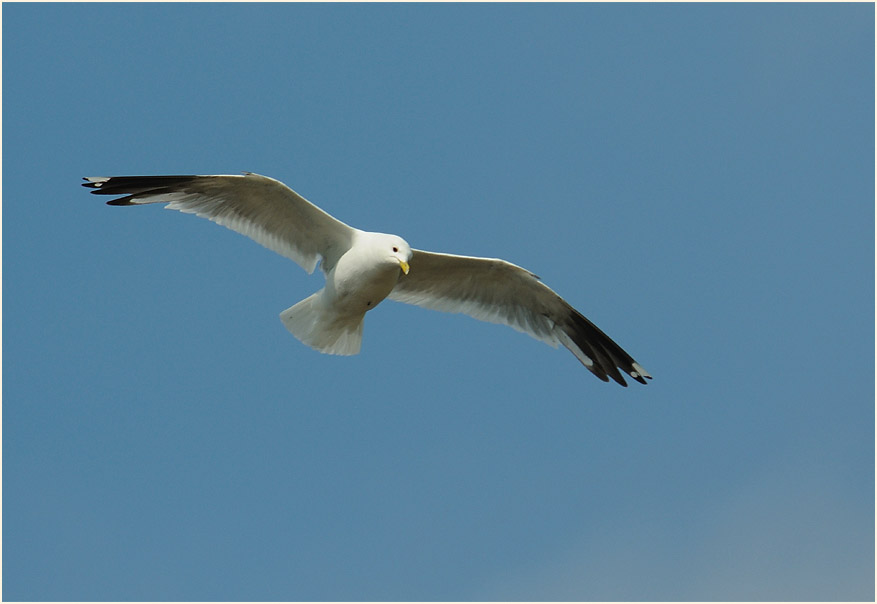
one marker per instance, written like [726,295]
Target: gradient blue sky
[696,179]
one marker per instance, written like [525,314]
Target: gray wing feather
[494,290]
[259,207]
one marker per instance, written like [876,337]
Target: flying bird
[363,268]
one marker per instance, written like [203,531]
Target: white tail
[319,328]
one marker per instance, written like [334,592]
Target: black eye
[395,249]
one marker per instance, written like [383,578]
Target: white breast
[356,287]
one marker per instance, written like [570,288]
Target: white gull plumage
[363,268]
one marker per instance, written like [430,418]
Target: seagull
[363,268]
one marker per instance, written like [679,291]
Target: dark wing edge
[603,357]
[136,186]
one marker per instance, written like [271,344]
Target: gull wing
[497,291]
[263,209]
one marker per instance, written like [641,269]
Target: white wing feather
[497,291]
[259,207]
[488,289]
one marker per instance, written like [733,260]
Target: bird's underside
[366,267]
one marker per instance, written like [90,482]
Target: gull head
[400,252]
[386,254]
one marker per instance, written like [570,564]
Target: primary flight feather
[364,268]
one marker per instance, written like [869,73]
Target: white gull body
[363,268]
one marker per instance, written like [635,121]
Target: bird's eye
[395,249]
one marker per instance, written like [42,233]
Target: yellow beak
[404,266]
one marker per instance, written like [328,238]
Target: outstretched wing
[500,292]
[259,207]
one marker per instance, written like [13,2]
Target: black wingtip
[607,357]
[91,183]
[122,201]
[135,187]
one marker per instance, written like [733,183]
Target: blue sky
[696,179]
